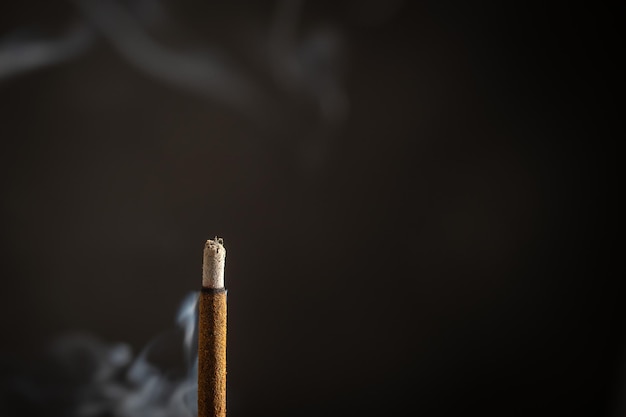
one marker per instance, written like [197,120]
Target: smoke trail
[145,390]
[206,74]
[309,68]
[84,377]
[294,94]
[23,55]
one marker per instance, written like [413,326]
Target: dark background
[442,246]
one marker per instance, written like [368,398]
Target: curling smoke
[87,378]
[293,86]
[306,68]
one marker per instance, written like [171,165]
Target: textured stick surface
[212,354]
[212,333]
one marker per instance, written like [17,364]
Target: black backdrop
[440,248]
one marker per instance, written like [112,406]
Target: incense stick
[212,333]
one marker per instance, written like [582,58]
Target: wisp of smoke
[307,68]
[84,377]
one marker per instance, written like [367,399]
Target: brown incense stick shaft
[212,333]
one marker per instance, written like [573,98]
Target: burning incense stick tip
[213,264]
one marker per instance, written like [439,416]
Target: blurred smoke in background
[414,196]
[82,376]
